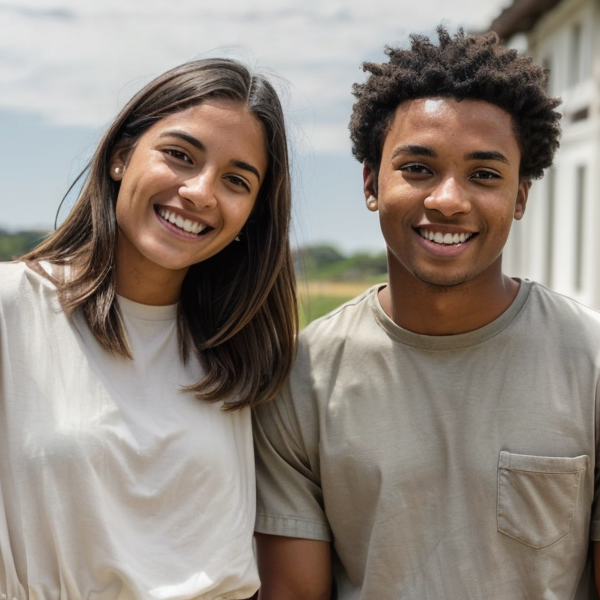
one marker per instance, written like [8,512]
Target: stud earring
[372,203]
[117,170]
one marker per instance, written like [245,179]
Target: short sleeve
[289,494]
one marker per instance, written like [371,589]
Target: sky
[66,69]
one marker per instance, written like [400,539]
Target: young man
[438,435]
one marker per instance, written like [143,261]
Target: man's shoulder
[348,319]
[551,311]
[322,343]
[554,304]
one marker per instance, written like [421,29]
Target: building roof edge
[520,16]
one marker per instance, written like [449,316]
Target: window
[575,55]
[580,178]
[580,54]
[550,200]
[580,115]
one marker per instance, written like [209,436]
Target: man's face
[448,189]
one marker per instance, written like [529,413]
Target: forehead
[433,121]
[213,113]
[217,124]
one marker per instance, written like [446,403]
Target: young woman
[133,342]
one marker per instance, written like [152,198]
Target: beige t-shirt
[114,484]
[456,467]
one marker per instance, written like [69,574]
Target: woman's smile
[185,224]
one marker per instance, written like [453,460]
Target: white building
[558,241]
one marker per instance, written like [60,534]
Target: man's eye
[415,168]
[485,175]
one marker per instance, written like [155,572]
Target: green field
[317,298]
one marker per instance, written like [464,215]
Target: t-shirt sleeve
[289,494]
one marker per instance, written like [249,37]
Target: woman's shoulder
[18,277]
[12,272]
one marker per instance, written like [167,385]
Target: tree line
[325,262]
[319,262]
[15,244]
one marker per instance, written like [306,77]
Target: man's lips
[444,238]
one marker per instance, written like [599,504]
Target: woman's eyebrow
[185,137]
[240,164]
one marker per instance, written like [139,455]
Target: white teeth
[185,224]
[444,238]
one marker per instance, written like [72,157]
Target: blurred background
[67,67]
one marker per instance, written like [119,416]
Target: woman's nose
[200,189]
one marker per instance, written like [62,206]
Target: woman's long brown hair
[238,310]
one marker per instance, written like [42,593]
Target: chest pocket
[537,496]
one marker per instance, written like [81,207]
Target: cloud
[76,62]
[35,12]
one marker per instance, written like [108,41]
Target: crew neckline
[456,341]
[146,311]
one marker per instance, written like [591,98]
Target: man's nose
[449,198]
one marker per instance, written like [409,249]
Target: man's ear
[370,186]
[522,195]
[118,162]
[369,180]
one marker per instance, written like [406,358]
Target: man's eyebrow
[190,139]
[487,155]
[414,149]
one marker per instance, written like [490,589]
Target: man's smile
[444,238]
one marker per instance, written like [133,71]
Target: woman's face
[186,190]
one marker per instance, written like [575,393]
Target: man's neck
[447,310]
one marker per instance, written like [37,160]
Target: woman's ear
[118,163]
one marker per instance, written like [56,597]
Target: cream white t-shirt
[114,484]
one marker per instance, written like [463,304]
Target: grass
[317,298]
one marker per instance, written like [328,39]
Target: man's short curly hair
[475,67]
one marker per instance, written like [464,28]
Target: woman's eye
[179,155]
[238,181]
